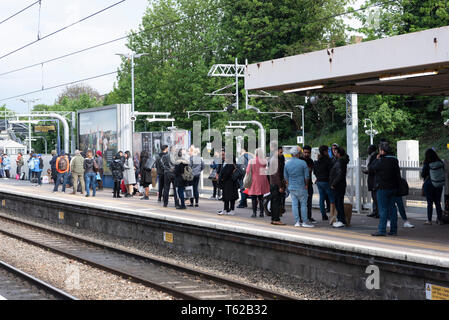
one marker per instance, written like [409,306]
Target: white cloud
[55,14]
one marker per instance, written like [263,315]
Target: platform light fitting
[160,120]
[304,89]
[407,76]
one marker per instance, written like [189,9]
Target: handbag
[237,173]
[98,176]
[403,189]
[188,192]
[248,180]
[213,175]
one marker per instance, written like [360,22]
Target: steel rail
[267,294]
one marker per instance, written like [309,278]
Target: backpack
[188,174]
[95,165]
[61,164]
[403,189]
[437,174]
[148,164]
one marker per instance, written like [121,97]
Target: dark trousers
[255,200]
[433,196]
[38,177]
[196,193]
[160,179]
[375,205]
[181,195]
[64,176]
[276,200]
[217,190]
[116,188]
[229,205]
[339,195]
[169,179]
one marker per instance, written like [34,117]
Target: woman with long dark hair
[434,179]
[145,174]
[129,175]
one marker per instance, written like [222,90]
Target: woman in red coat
[259,185]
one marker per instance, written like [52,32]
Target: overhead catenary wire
[19,12]
[156,60]
[61,29]
[167,24]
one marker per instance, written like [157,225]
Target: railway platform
[350,258]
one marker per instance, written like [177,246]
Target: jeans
[433,196]
[196,193]
[325,190]
[30,174]
[58,181]
[181,195]
[386,201]
[400,206]
[90,180]
[299,196]
[339,198]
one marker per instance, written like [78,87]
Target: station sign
[44,128]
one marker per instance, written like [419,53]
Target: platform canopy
[411,64]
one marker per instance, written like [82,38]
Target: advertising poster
[98,131]
[157,142]
[147,142]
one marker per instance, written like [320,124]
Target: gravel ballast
[95,284]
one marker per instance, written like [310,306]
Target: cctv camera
[133,118]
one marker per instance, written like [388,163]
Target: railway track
[18,285]
[178,281]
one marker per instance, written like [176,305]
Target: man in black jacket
[387,176]
[321,169]
[337,182]
[160,172]
[372,152]
[168,163]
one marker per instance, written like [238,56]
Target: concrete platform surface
[428,245]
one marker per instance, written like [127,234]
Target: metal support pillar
[352,139]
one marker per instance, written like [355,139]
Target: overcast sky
[55,14]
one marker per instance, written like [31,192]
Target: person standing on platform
[77,169]
[277,184]
[260,184]
[54,172]
[181,163]
[19,164]
[197,165]
[129,174]
[228,185]
[296,174]
[434,177]
[99,161]
[388,176]
[168,162]
[37,169]
[89,174]
[160,172]
[243,161]
[216,167]
[117,168]
[322,169]
[337,182]
[307,157]
[63,168]
[6,164]
[399,203]
[145,173]
[372,151]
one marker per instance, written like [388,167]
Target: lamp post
[131,57]
[29,120]
[302,111]
[204,115]
[370,132]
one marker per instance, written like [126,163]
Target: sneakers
[338,224]
[231,213]
[388,224]
[297,224]
[277,223]
[428,223]
[312,220]
[221,212]
[307,225]
[408,225]
[145,198]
